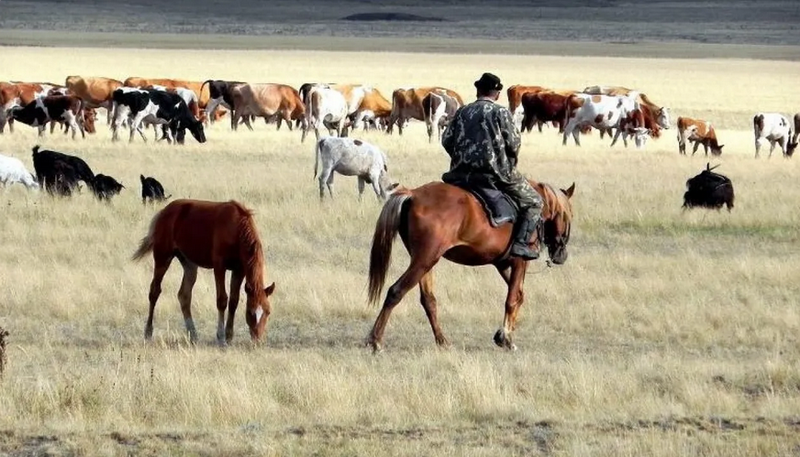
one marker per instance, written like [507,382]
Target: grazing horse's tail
[146,245]
[381,252]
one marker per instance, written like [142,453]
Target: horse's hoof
[498,338]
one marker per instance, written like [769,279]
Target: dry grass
[666,333]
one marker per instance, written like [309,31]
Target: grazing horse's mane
[251,250]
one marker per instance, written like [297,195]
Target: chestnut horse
[440,220]
[215,235]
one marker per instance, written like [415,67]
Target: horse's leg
[185,297]
[160,267]
[222,297]
[233,301]
[428,301]
[422,262]
[514,276]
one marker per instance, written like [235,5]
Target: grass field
[666,333]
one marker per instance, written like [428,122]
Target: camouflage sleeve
[510,135]
[449,135]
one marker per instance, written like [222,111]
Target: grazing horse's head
[557,216]
[258,309]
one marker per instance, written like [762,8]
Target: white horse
[13,171]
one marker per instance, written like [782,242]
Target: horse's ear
[270,289]
[569,191]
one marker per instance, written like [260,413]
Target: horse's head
[258,309]
[557,221]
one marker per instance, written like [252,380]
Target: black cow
[60,173]
[158,107]
[105,187]
[152,189]
[219,94]
[708,190]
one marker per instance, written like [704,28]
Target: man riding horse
[483,144]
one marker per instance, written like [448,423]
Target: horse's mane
[250,245]
[554,204]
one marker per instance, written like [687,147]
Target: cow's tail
[386,230]
[207,81]
[758,124]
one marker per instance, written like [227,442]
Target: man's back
[482,138]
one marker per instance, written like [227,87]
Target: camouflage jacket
[482,139]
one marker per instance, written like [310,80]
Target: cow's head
[716,150]
[790,147]
[194,126]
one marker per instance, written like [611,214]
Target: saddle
[499,208]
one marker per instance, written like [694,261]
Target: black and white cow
[158,107]
[220,93]
[66,108]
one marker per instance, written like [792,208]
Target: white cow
[600,111]
[13,171]
[776,129]
[351,157]
[326,107]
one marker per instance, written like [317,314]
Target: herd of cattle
[178,105]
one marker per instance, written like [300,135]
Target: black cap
[488,82]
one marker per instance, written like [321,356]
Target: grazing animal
[515,94]
[157,107]
[699,132]
[105,187]
[94,91]
[67,108]
[152,189]
[350,157]
[708,190]
[796,127]
[775,128]
[441,220]
[13,171]
[600,111]
[438,108]
[214,235]
[60,173]
[265,100]
[542,107]
[201,94]
[407,104]
[373,109]
[220,94]
[328,108]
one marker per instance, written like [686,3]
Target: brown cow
[266,100]
[542,107]
[94,91]
[515,94]
[373,109]
[699,132]
[407,104]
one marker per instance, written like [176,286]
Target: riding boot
[522,237]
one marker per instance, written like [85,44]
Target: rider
[484,143]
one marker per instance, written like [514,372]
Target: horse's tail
[146,245]
[381,252]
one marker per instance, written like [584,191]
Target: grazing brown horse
[440,220]
[216,235]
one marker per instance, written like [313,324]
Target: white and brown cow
[775,128]
[699,132]
[327,107]
[373,109]
[602,112]
[655,117]
[407,104]
[438,108]
[39,112]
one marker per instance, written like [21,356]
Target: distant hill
[391,17]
